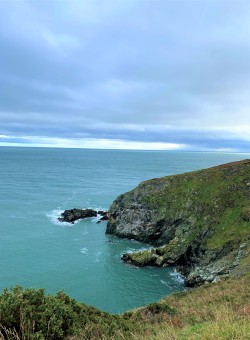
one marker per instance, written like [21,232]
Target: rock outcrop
[198,221]
[72,215]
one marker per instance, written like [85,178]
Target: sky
[116,74]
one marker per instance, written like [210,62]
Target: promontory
[197,221]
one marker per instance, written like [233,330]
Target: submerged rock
[198,221]
[72,215]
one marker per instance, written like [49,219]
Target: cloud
[88,143]
[135,71]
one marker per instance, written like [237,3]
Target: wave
[84,251]
[97,256]
[165,283]
[98,217]
[53,216]
[136,250]
[177,276]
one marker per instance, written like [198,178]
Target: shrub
[30,314]
[34,315]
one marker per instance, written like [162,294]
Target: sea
[36,250]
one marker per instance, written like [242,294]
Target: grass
[231,227]
[213,311]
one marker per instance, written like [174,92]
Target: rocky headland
[197,221]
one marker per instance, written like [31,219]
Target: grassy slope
[215,197]
[215,201]
[213,311]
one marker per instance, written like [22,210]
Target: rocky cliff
[198,221]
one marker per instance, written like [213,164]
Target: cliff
[198,221]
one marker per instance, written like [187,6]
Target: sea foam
[178,277]
[53,216]
[84,251]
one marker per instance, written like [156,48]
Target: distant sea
[36,250]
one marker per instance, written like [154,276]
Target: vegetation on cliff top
[200,220]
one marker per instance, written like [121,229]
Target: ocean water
[38,251]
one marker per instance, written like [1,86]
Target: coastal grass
[213,311]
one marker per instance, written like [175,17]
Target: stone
[72,215]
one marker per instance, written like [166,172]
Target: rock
[159,261]
[72,215]
[192,219]
[104,215]
[102,212]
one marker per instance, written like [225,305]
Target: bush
[34,315]
[30,314]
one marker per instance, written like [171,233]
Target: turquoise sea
[38,251]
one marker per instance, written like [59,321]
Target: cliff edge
[197,221]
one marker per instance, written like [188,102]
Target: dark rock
[102,212]
[104,215]
[104,218]
[72,215]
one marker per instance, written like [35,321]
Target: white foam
[165,283]
[97,257]
[84,251]
[53,216]
[96,218]
[134,250]
[99,208]
[178,277]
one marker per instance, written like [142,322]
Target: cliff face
[199,221]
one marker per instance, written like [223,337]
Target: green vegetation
[31,314]
[199,221]
[214,311]
[217,198]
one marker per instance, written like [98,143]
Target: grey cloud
[69,68]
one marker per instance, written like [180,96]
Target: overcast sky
[141,74]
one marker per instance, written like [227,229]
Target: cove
[37,251]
